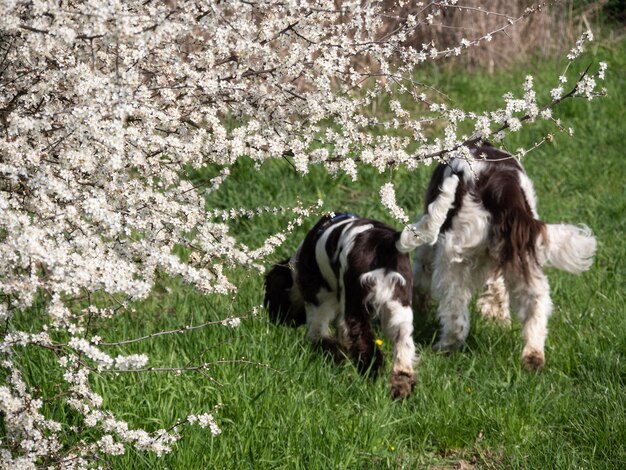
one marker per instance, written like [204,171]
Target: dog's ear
[278,286]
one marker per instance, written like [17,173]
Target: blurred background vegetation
[553,31]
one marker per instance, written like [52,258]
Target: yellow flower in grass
[379,342]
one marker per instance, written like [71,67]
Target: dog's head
[279,295]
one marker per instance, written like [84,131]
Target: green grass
[476,407]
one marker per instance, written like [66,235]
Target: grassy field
[474,409]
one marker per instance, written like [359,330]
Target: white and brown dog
[492,235]
[347,271]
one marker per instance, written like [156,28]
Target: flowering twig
[169,332]
[194,368]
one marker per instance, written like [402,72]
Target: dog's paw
[402,384]
[533,361]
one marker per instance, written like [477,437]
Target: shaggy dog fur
[492,235]
[347,271]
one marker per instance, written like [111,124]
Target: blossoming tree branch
[104,104]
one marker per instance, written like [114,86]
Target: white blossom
[603,67]
[130,362]
[514,124]
[556,93]
[388,198]
[205,420]
[120,118]
[233,322]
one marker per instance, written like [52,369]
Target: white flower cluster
[108,109]
[26,428]
[233,322]
[205,420]
[131,362]
[388,198]
[586,85]
[580,45]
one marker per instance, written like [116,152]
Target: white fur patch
[347,243]
[379,277]
[494,301]
[321,256]
[319,317]
[469,169]
[470,231]
[381,284]
[529,192]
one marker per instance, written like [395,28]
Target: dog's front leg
[319,317]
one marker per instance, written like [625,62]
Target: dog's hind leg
[363,348]
[532,301]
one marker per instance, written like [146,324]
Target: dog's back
[340,249]
[496,181]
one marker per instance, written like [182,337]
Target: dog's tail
[282,298]
[568,247]
[528,240]
[426,230]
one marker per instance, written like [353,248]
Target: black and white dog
[492,235]
[346,271]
